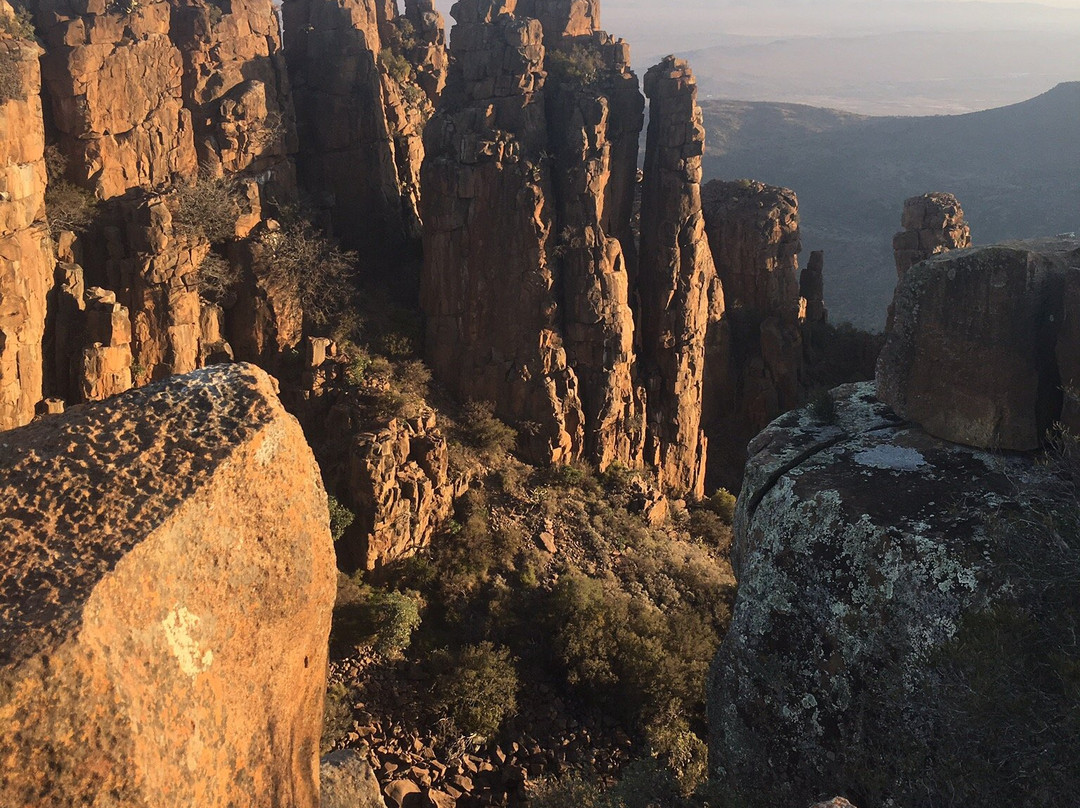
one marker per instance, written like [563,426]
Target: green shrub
[480,429]
[11,81]
[20,24]
[822,407]
[576,66]
[396,66]
[340,518]
[396,617]
[710,529]
[477,688]
[723,503]
[67,206]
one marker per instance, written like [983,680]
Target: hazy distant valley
[1013,169]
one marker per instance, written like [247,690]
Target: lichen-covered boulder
[861,545]
[166,587]
[971,355]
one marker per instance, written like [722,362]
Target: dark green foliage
[481,430]
[337,716]
[477,687]
[822,407]
[575,66]
[340,518]
[396,66]
[20,24]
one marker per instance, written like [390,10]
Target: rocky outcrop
[933,224]
[124,672]
[357,70]
[981,343]
[26,263]
[675,279]
[861,543]
[812,288]
[398,485]
[753,232]
[348,782]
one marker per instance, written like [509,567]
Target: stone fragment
[860,545]
[164,610]
[347,781]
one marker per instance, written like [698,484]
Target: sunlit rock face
[164,607]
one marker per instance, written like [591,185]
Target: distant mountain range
[1015,169]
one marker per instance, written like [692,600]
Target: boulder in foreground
[166,586]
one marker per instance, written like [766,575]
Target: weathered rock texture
[982,341]
[676,279]
[861,542]
[165,611]
[357,72]
[26,263]
[753,231]
[348,782]
[933,224]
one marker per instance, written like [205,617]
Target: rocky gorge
[516,361]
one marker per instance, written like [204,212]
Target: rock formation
[26,263]
[358,69]
[983,341]
[753,231]
[812,288]
[933,224]
[861,543]
[164,611]
[675,279]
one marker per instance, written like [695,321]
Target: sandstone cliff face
[860,547]
[165,631]
[675,279]
[933,224]
[978,353]
[357,70]
[26,263]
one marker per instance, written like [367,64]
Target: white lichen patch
[891,458]
[271,444]
[179,626]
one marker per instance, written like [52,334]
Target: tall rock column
[753,230]
[26,263]
[490,283]
[933,223]
[598,322]
[675,278]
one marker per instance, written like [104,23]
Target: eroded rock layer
[933,223]
[165,611]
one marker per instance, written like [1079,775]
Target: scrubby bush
[11,81]
[67,206]
[217,277]
[822,407]
[477,688]
[575,66]
[20,24]
[340,517]
[396,617]
[396,66]
[206,207]
[337,716]
[723,503]
[306,264]
[481,430]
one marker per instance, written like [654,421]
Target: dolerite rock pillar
[933,223]
[26,262]
[489,287]
[166,586]
[674,279]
